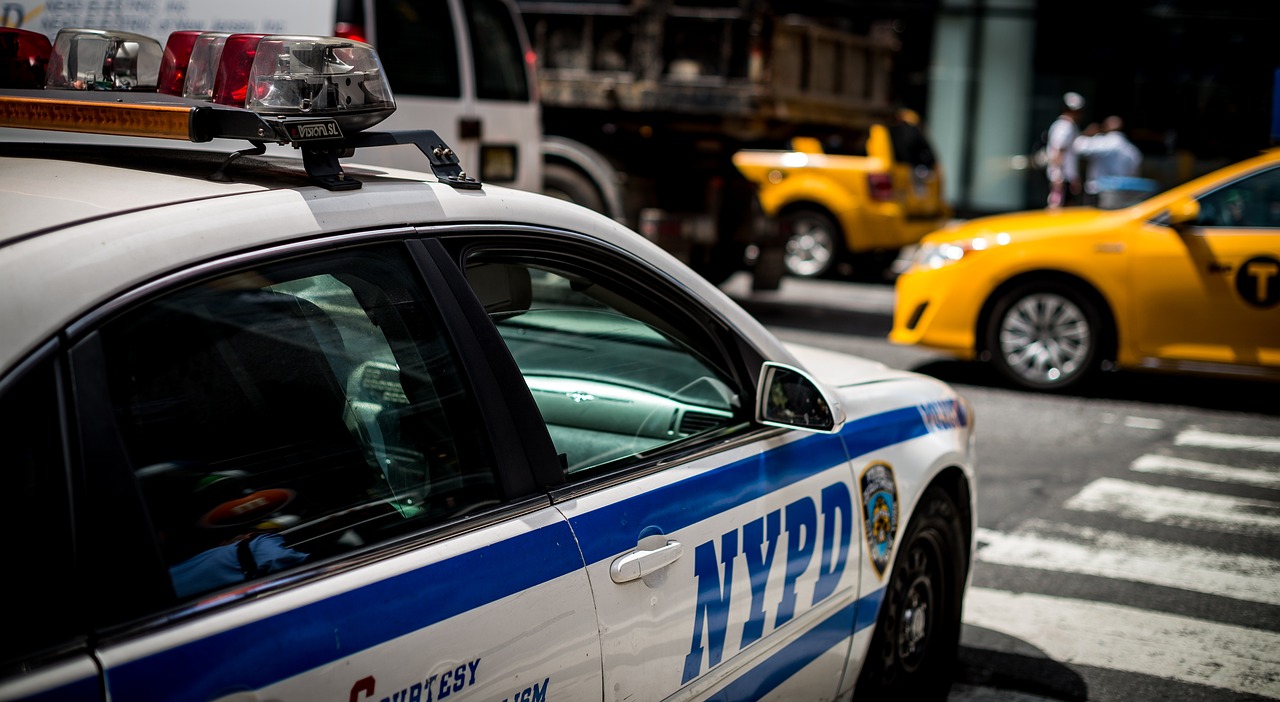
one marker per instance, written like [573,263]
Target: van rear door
[464,70]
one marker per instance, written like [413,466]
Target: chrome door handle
[637,564]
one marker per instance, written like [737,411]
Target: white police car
[284,428]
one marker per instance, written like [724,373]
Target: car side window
[614,379]
[37,517]
[495,52]
[281,415]
[1252,202]
[417,47]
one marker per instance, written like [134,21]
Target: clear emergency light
[317,93]
[98,59]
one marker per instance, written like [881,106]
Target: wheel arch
[955,483]
[1108,346]
[591,165]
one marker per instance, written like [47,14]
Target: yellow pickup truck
[856,208]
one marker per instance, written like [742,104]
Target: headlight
[929,255]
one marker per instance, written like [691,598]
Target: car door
[463,70]
[720,552]
[46,636]
[299,478]
[1209,291]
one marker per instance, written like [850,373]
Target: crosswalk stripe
[1171,465]
[1132,640]
[1181,508]
[1209,439]
[1070,549]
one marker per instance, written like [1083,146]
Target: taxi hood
[1031,224]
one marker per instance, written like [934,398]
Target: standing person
[1064,167]
[1108,153]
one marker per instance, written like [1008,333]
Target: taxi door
[462,70]
[1210,290]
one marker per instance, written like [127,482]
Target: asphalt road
[1129,543]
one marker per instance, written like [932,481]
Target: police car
[299,428]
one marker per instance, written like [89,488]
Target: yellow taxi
[883,194]
[1185,281]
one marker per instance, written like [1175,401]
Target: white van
[464,69]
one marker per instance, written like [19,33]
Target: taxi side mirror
[787,397]
[1184,212]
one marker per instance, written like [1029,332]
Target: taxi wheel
[1044,336]
[913,650]
[814,245]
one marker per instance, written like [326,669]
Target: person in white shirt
[1063,166]
[1107,152]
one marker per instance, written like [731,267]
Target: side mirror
[787,397]
[1183,212]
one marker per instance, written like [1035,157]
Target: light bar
[231,81]
[202,66]
[313,76]
[24,57]
[96,59]
[95,117]
[173,66]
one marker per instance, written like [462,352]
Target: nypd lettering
[943,415]
[880,513]
[437,686]
[796,533]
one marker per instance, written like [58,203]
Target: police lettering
[759,540]
[943,415]
[437,686]
[537,693]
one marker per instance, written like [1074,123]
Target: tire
[913,650]
[568,183]
[1044,337]
[814,243]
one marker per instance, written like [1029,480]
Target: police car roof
[83,223]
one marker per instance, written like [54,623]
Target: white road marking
[1132,640]
[1070,549]
[1209,439]
[1170,465]
[1182,508]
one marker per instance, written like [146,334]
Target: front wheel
[814,243]
[1044,337]
[913,650]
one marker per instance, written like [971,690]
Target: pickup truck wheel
[917,635]
[567,183]
[813,244]
[1044,337]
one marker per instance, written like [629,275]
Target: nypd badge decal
[880,513]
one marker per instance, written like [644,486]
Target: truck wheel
[814,243]
[1044,336]
[913,649]
[567,183]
